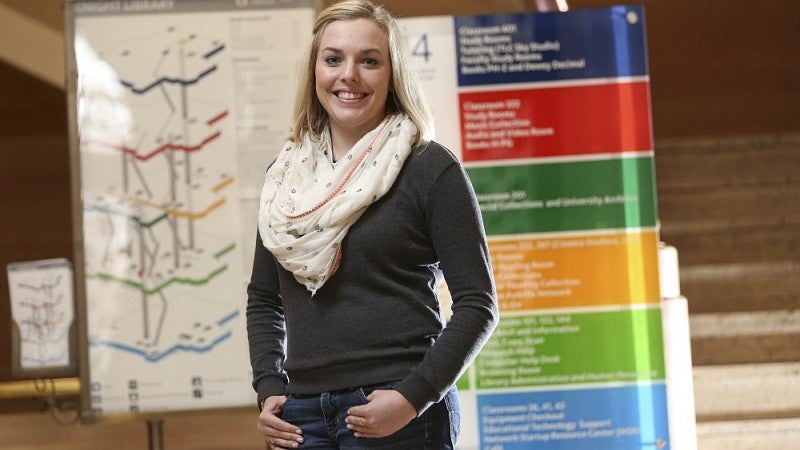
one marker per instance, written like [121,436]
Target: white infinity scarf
[309,203]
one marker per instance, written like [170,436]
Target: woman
[360,220]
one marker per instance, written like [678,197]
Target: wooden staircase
[731,206]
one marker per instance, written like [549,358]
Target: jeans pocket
[361,396]
[365,391]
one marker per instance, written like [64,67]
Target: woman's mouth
[345,95]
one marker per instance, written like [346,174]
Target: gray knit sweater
[378,318]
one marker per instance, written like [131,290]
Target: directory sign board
[550,114]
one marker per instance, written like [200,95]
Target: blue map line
[130,86]
[48,361]
[227,318]
[158,357]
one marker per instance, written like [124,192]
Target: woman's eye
[331,60]
[370,61]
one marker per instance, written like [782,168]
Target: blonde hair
[405,94]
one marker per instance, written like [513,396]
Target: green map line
[129,216]
[224,251]
[140,286]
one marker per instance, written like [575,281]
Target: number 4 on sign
[421,48]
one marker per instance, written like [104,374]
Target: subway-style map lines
[177,107]
[42,310]
[44,326]
[159,204]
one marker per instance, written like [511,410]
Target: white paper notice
[42,310]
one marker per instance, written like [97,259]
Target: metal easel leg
[155,434]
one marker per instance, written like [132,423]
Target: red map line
[165,147]
[217,118]
[44,305]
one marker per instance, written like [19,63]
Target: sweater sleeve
[266,328]
[457,234]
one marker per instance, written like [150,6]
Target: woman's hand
[386,412]
[278,434]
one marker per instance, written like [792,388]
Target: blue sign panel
[627,417]
[580,44]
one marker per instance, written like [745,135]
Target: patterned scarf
[308,203]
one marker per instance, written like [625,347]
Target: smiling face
[353,71]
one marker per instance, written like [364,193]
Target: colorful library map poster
[176,104]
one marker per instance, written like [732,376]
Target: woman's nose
[350,72]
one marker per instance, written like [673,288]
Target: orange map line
[172,211]
[222,185]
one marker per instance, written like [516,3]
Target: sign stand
[155,434]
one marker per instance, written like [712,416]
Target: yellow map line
[222,185]
[172,211]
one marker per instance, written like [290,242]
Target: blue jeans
[321,417]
